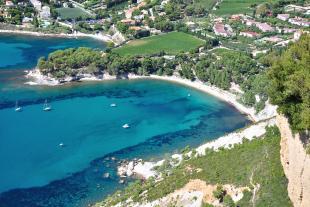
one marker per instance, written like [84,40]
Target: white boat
[61,144]
[125,126]
[17,108]
[113,105]
[189,95]
[46,106]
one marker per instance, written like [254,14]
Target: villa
[27,19]
[135,28]
[36,4]
[299,21]
[9,3]
[250,22]
[128,21]
[287,30]
[45,13]
[296,8]
[249,34]
[283,17]
[236,17]
[273,39]
[264,27]
[222,30]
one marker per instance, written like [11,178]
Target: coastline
[228,97]
[101,37]
[145,169]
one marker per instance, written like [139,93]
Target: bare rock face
[296,164]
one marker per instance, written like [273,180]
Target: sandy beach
[101,37]
[269,111]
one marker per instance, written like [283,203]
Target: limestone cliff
[296,164]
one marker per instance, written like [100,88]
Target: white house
[283,17]
[45,13]
[27,19]
[36,4]
[299,21]
[264,27]
[249,34]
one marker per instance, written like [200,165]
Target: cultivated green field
[207,4]
[229,7]
[171,43]
[72,13]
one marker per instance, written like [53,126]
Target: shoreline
[144,169]
[223,95]
[100,37]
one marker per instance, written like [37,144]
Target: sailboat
[46,106]
[17,108]
[125,126]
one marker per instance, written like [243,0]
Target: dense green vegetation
[219,68]
[170,43]
[259,159]
[72,62]
[290,83]
[63,63]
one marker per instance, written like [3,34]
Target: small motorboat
[189,95]
[126,126]
[17,108]
[113,105]
[61,144]
[46,106]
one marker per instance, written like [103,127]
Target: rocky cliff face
[296,164]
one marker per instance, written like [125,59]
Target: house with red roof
[222,30]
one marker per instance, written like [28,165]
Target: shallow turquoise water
[162,117]
[36,172]
[23,51]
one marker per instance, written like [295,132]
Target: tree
[35,22]
[228,201]
[290,84]
[219,193]
[187,72]
[122,27]
[189,10]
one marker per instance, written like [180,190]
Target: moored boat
[18,108]
[46,106]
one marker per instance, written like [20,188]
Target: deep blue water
[35,171]
[23,51]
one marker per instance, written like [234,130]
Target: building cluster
[43,12]
[299,21]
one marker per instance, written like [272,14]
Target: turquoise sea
[36,171]
[23,51]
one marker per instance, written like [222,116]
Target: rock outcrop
[296,164]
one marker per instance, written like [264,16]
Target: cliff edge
[296,164]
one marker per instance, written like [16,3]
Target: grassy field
[257,160]
[229,7]
[207,4]
[171,43]
[72,13]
